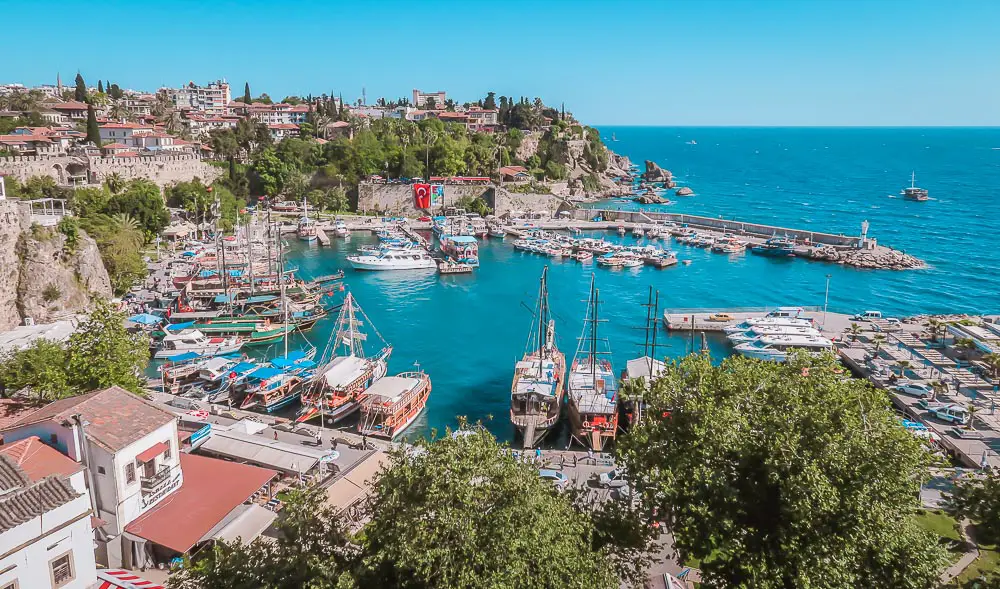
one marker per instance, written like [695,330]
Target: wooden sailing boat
[647,367]
[593,390]
[536,393]
[335,390]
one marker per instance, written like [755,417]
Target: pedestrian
[319,438]
[590,455]
[364,441]
[538,455]
[276,435]
[333,443]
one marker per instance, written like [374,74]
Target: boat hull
[374,265]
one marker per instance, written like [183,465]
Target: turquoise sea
[467,331]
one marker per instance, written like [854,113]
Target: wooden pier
[322,237]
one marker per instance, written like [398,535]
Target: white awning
[246,523]
[256,449]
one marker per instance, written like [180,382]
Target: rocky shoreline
[879,258]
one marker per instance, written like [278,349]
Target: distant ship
[613,138]
[692,142]
[914,193]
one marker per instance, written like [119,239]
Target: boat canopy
[244,367]
[207,273]
[223,298]
[146,319]
[260,299]
[179,326]
[264,373]
[461,238]
[184,357]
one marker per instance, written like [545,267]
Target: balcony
[157,482]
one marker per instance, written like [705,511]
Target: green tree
[194,197]
[93,131]
[40,368]
[100,87]
[141,200]
[490,102]
[247,99]
[977,497]
[102,353]
[271,172]
[119,239]
[86,202]
[80,93]
[782,475]
[462,512]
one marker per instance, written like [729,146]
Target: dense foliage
[782,475]
[977,498]
[99,354]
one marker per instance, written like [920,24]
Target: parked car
[867,316]
[915,389]
[720,317]
[950,412]
[424,219]
[612,480]
[557,478]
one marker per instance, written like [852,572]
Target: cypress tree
[80,94]
[246,94]
[100,87]
[93,132]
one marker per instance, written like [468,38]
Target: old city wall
[163,170]
[397,199]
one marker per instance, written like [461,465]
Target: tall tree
[246,94]
[102,353]
[93,131]
[80,93]
[462,512]
[490,102]
[782,475]
[977,497]
[100,87]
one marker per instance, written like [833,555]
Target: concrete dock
[832,325]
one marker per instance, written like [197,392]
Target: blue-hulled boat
[777,247]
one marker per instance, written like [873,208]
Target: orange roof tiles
[38,460]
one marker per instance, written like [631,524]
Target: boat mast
[593,336]
[543,316]
[284,299]
[913,179]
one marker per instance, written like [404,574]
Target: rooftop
[211,490]
[115,417]
[22,499]
[38,460]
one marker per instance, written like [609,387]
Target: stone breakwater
[879,258]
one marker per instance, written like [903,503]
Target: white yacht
[759,331]
[340,228]
[410,259]
[193,340]
[776,347]
[768,322]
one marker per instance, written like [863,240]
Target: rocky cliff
[42,276]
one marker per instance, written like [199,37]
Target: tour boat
[631,263]
[914,193]
[593,385]
[391,259]
[269,389]
[646,367]
[391,404]
[637,232]
[583,256]
[463,248]
[333,392]
[775,247]
[307,229]
[193,340]
[775,348]
[536,393]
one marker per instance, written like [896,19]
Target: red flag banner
[422,196]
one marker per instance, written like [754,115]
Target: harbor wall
[397,199]
[76,169]
[726,225]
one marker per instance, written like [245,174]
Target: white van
[867,316]
[792,312]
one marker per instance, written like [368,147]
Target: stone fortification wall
[397,199]
[162,169]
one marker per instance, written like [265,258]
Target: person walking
[590,455]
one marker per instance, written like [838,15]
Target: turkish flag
[422,196]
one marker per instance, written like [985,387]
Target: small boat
[392,403]
[775,247]
[450,267]
[340,229]
[583,256]
[193,340]
[637,232]
[914,193]
[307,229]
[393,260]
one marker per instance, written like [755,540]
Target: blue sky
[730,62]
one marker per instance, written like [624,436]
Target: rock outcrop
[684,191]
[654,173]
[651,199]
[880,258]
[42,277]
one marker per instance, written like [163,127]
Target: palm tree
[115,183]
[855,329]
[127,230]
[878,339]
[992,361]
[118,111]
[938,387]
[965,346]
[972,416]
[904,365]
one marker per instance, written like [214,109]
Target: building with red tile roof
[38,460]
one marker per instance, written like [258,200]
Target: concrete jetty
[831,324]
[322,237]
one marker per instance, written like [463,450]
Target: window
[100,470]
[54,439]
[166,453]
[129,473]
[62,569]
[10,585]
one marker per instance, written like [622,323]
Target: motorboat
[775,247]
[340,228]
[393,260]
[193,340]
[759,331]
[775,348]
[583,256]
[767,322]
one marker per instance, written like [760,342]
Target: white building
[420,98]
[212,99]
[130,446]
[46,532]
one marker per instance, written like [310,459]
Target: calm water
[467,331]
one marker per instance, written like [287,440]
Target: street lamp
[826,299]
